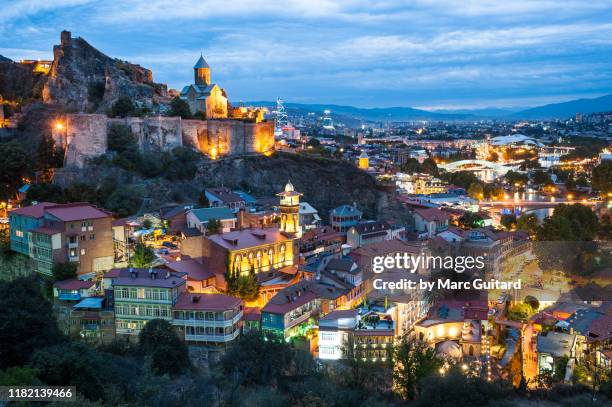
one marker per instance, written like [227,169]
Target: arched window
[471,351]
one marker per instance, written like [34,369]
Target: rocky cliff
[84,79]
[18,82]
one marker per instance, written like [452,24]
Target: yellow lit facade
[289,211]
[363,162]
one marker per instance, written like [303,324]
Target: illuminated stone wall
[86,135]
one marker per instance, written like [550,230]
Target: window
[92,237]
[82,252]
[82,237]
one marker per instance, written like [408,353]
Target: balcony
[209,322]
[68,296]
[213,338]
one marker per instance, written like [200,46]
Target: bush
[167,353]
[122,107]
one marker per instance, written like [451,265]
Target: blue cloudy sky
[445,53]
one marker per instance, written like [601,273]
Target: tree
[457,390]
[64,271]
[532,302]
[243,286]
[519,312]
[121,139]
[203,201]
[147,224]
[213,227]
[167,353]
[411,166]
[178,107]
[471,220]
[462,179]
[429,167]
[47,158]
[570,223]
[515,178]
[602,177]
[122,107]
[508,221]
[14,165]
[413,360]
[476,191]
[143,256]
[541,178]
[254,359]
[313,142]
[528,223]
[26,321]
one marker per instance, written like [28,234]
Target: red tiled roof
[33,211]
[73,284]
[213,302]
[241,239]
[76,211]
[432,214]
[252,314]
[195,271]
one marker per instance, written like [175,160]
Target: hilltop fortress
[84,136]
[82,79]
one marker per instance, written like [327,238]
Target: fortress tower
[201,72]
[289,211]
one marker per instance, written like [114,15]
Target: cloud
[355,51]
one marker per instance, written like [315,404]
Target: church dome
[289,187]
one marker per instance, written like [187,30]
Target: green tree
[123,107]
[121,139]
[18,376]
[541,178]
[178,107]
[143,256]
[532,301]
[471,220]
[213,227]
[476,191]
[256,360]
[602,177]
[413,361]
[514,178]
[462,179]
[47,158]
[159,342]
[508,221]
[429,166]
[569,223]
[14,165]
[412,166]
[528,223]
[519,312]
[64,271]
[26,321]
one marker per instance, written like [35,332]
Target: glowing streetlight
[59,126]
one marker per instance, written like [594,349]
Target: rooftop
[193,269]
[242,239]
[141,277]
[432,214]
[76,211]
[556,343]
[32,211]
[74,284]
[206,214]
[212,302]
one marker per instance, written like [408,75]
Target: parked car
[170,245]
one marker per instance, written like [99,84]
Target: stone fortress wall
[84,136]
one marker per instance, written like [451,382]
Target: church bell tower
[201,72]
[289,211]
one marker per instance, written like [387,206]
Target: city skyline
[428,55]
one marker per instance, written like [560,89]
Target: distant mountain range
[551,111]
